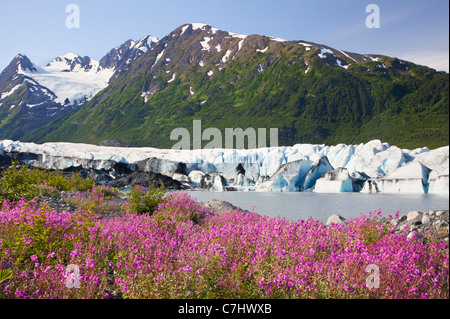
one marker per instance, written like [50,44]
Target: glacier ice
[80,83]
[320,167]
[439,185]
[410,178]
[335,181]
[367,167]
[289,177]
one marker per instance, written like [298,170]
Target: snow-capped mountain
[25,104]
[72,78]
[71,62]
[311,92]
[122,55]
[31,96]
[75,79]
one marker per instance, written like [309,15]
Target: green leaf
[5,274]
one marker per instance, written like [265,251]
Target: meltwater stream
[319,206]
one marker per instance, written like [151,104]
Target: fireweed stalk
[184,250]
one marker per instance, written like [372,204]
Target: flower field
[183,250]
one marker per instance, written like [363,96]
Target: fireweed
[38,244]
[185,251]
[94,199]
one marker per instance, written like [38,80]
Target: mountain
[74,79]
[32,96]
[25,104]
[311,92]
[120,57]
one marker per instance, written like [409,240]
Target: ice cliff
[370,167]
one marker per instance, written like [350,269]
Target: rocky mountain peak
[145,43]
[21,63]
[124,54]
[71,62]
[24,62]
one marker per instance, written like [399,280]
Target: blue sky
[415,30]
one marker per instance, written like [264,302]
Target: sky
[413,30]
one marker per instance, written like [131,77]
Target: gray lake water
[302,205]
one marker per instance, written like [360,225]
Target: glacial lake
[319,206]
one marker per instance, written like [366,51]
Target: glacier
[371,167]
[68,79]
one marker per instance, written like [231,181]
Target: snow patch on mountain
[196,26]
[340,63]
[145,43]
[6,94]
[308,67]
[172,78]
[240,45]
[226,56]
[375,59]
[34,105]
[158,57]
[237,35]
[263,50]
[323,53]
[205,44]
[184,29]
[348,56]
[277,39]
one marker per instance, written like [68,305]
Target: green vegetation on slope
[403,104]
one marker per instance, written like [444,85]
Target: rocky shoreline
[419,224]
[416,224]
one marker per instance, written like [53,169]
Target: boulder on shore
[336,219]
[221,206]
